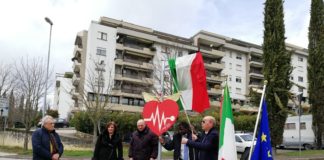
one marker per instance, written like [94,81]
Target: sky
[24,32]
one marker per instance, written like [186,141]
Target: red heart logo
[160,116]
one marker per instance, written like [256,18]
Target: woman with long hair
[109,144]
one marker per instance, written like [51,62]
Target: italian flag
[227,148]
[189,78]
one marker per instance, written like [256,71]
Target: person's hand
[161,140]
[151,158]
[184,141]
[194,137]
[55,156]
[130,158]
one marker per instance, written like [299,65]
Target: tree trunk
[94,137]
[26,140]
[318,134]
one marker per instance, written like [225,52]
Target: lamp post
[300,96]
[48,58]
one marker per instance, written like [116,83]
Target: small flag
[263,150]
[189,77]
[227,147]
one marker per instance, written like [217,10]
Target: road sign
[4,107]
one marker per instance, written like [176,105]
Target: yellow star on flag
[269,154]
[263,137]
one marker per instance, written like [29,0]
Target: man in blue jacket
[46,142]
[207,144]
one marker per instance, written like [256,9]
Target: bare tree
[30,76]
[6,79]
[95,95]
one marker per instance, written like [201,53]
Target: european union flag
[263,149]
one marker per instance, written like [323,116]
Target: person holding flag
[207,144]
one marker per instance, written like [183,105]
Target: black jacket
[143,145]
[108,149]
[206,145]
[175,144]
[41,144]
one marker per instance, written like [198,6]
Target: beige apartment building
[132,58]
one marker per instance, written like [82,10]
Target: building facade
[62,96]
[132,59]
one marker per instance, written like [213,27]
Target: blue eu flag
[263,149]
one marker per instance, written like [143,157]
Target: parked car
[61,123]
[243,141]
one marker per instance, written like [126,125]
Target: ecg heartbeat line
[156,117]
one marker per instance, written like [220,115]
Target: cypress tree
[316,67]
[277,68]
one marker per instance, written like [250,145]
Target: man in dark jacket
[207,144]
[46,142]
[181,151]
[144,143]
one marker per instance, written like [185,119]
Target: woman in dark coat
[109,144]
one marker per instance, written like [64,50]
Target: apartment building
[133,59]
[62,96]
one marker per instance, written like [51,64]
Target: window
[180,53]
[239,67]
[300,59]
[165,49]
[238,90]
[239,56]
[238,80]
[114,99]
[300,89]
[303,125]
[229,78]
[238,139]
[230,65]
[300,79]
[91,97]
[291,78]
[290,126]
[102,36]
[300,69]
[101,51]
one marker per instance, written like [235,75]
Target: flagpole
[161,99]
[258,117]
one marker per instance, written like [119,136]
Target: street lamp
[300,97]
[48,58]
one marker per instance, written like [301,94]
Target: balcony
[212,53]
[214,103]
[213,91]
[214,66]
[256,74]
[255,84]
[127,93]
[134,63]
[135,50]
[76,66]
[134,79]
[75,94]
[256,62]
[213,78]
[77,51]
[76,79]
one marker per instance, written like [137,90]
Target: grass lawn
[304,153]
[68,153]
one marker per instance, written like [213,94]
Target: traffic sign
[4,107]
